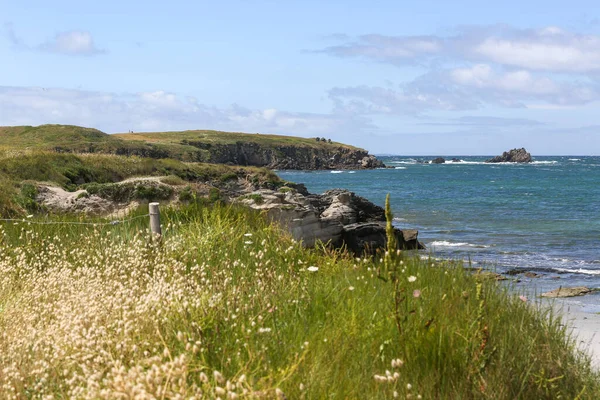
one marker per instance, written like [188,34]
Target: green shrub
[173,180]
[27,197]
[187,195]
[228,177]
[152,192]
[214,195]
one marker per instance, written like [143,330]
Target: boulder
[370,162]
[367,238]
[514,156]
[439,160]
[456,160]
[568,292]
[341,210]
[336,217]
[365,210]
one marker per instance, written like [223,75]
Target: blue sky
[402,77]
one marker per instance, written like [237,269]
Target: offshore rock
[438,160]
[513,156]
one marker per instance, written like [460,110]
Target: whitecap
[579,271]
[545,162]
[574,159]
[337,172]
[410,161]
[399,167]
[352,172]
[444,243]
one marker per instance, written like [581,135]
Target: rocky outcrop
[285,157]
[568,292]
[513,156]
[438,160]
[337,217]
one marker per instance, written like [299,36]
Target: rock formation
[514,156]
[438,160]
[337,217]
[285,156]
[568,292]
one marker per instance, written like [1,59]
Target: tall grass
[228,306]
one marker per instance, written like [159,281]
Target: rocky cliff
[296,157]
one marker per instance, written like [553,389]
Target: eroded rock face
[337,217]
[285,157]
[515,156]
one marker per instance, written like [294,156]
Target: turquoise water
[543,216]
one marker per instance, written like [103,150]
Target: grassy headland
[228,306]
[197,145]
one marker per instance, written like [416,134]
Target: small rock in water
[568,292]
[484,275]
[514,155]
[530,274]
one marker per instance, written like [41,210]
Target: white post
[155,220]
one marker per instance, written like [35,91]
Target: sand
[585,328]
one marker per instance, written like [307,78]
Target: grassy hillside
[218,137]
[48,137]
[186,145]
[230,307]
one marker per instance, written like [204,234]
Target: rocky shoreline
[337,217]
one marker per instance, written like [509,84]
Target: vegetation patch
[256,197]
[126,192]
[229,306]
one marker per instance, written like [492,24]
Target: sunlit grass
[229,306]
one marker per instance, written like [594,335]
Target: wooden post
[155,220]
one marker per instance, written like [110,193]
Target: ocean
[543,217]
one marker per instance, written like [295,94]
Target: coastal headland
[227,304]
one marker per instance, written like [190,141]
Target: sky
[424,77]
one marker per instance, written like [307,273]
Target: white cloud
[75,42]
[159,110]
[464,89]
[483,76]
[72,43]
[547,49]
[397,50]
[558,52]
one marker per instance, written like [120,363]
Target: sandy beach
[584,326]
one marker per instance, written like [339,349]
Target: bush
[27,197]
[187,195]
[173,180]
[214,195]
[228,177]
